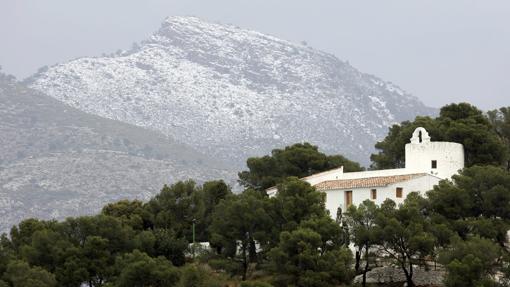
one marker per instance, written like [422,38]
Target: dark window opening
[373,194]
[348,198]
[399,192]
[434,164]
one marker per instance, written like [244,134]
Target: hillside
[233,93]
[56,161]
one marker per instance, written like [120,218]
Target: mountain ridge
[233,93]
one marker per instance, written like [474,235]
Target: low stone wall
[392,276]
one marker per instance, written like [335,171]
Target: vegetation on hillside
[289,239]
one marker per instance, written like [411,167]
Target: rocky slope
[56,161]
[233,93]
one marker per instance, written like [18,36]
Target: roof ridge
[366,181]
[378,176]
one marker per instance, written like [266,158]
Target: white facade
[336,198]
[426,163]
[421,153]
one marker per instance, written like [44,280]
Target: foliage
[212,193]
[176,207]
[298,160]
[405,234]
[101,250]
[294,202]
[471,262]
[475,202]
[20,274]
[290,237]
[198,276]
[131,213]
[238,223]
[461,123]
[311,256]
[139,269]
[500,120]
[255,284]
[364,231]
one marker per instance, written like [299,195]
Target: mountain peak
[233,93]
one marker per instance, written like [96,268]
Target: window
[348,198]
[434,164]
[373,194]
[399,192]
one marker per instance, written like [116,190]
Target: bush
[197,276]
[255,284]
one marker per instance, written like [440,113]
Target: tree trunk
[252,251]
[410,282]
[245,262]
[364,283]
[408,274]
[358,258]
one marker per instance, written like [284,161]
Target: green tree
[238,223]
[295,201]
[138,269]
[198,276]
[298,160]
[20,274]
[363,231]
[7,254]
[405,234]
[500,120]
[45,249]
[145,241]
[461,123]
[129,212]
[169,245]
[255,284]
[98,260]
[117,234]
[475,202]
[176,207]
[212,193]
[470,263]
[22,233]
[72,271]
[391,149]
[311,255]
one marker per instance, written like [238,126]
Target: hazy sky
[442,51]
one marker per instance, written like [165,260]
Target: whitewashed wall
[336,198]
[449,157]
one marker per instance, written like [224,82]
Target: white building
[426,163]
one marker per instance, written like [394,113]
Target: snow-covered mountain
[233,93]
[56,161]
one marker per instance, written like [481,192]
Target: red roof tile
[366,182]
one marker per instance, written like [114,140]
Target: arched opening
[420,135]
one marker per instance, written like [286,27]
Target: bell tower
[442,159]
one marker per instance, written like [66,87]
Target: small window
[399,192]
[348,198]
[373,194]
[434,164]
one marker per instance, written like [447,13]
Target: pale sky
[441,51]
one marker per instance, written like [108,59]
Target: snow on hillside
[233,93]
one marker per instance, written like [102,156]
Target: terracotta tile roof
[366,182]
